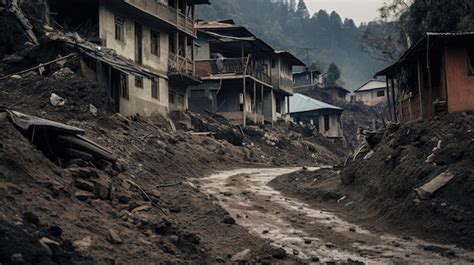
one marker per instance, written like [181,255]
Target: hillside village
[134,132]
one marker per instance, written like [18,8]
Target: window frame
[139,81]
[327,123]
[119,28]
[124,89]
[155,42]
[381,91]
[155,89]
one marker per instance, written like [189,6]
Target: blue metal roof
[302,103]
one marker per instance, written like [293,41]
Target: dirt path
[310,233]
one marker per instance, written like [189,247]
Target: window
[172,98]
[326,122]
[471,63]
[172,42]
[155,89]
[381,93]
[278,105]
[119,28]
[123,86]
[90,63]
[138,81]
[155,43]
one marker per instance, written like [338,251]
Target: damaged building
[433,76]
[144,49]
[244,79]
[325,117]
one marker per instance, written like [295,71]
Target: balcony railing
[180,65]
[166,13]
[231,66]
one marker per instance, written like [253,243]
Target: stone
[84,185]
[143,208]
[308,241]
[243,256]
[314,259]
[123,198]
[93,109]
[56,100]
[279,253]
[50,246]
[114,238]
[296,252]
[17,258]
[229,220]
[83,195]
[83,173]
[227,193]
[31,218]
[83,244]
[55,231]
[102,189]
[352,229]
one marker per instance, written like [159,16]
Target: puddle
[308,232]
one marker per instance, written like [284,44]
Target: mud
[310,232]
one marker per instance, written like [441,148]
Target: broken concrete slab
[427,190]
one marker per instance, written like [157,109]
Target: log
[427,190]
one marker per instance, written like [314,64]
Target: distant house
[243,78]
[337,93]
[307,79]
[372,93]
[434,75]
[326,117]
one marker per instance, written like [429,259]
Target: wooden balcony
[180,65]
[231,66]
[166,13]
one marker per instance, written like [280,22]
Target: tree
[302,11]
[293,5]
[332,76]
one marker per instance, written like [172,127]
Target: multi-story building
[154,45]
[244,79]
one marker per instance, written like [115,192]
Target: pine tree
[293,5]
[302,11]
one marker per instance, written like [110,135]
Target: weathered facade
[325,117]
[244,79]
[434,75]
[156,36]
[372,93]
[307,79]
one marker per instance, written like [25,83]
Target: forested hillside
[287,25]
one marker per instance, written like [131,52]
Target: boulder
[243,256]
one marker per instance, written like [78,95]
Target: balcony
[166,13]
[231,66]
[177,64]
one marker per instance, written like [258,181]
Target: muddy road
[314,234]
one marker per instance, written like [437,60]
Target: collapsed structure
[244,78]
[434,75]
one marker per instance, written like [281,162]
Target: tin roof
[302,103]
[371,85]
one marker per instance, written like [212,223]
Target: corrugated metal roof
[302,103]
[372,85]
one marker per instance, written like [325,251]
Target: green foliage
[287,25]
[332,75]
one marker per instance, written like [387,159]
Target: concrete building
[372,93]
[434,75]
[153,42]
[326,117]
[244,79]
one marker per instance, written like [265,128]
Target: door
[138,43]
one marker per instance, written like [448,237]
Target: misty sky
[358,10]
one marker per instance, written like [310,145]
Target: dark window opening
[119,28]
[155,43]
[278,105]
[326,122]
[90,63]
[171,98]
[124,86]
[154,89]
[381,93]
[172,42]
[471,63]
[138,81]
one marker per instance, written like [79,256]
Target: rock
[62,73]
[49,245]
[243,256]
[83,195]
[118,167]
[314,259]
[83,173]
[227,193]
[55,231]
[83,244]
[56,100]
[229,220]
[369,155]
[93,109]
[31,218]
[175,209]
[430,158]
[279,253]
[143,208]
[15,77]
[308,241]
[17,258]
[102,189]
[114,238]
[265,232]
[296,252]
[123,198]
[352,229]
[84,185]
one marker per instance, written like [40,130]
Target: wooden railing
[166,13]
[231,66]
[180,65]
